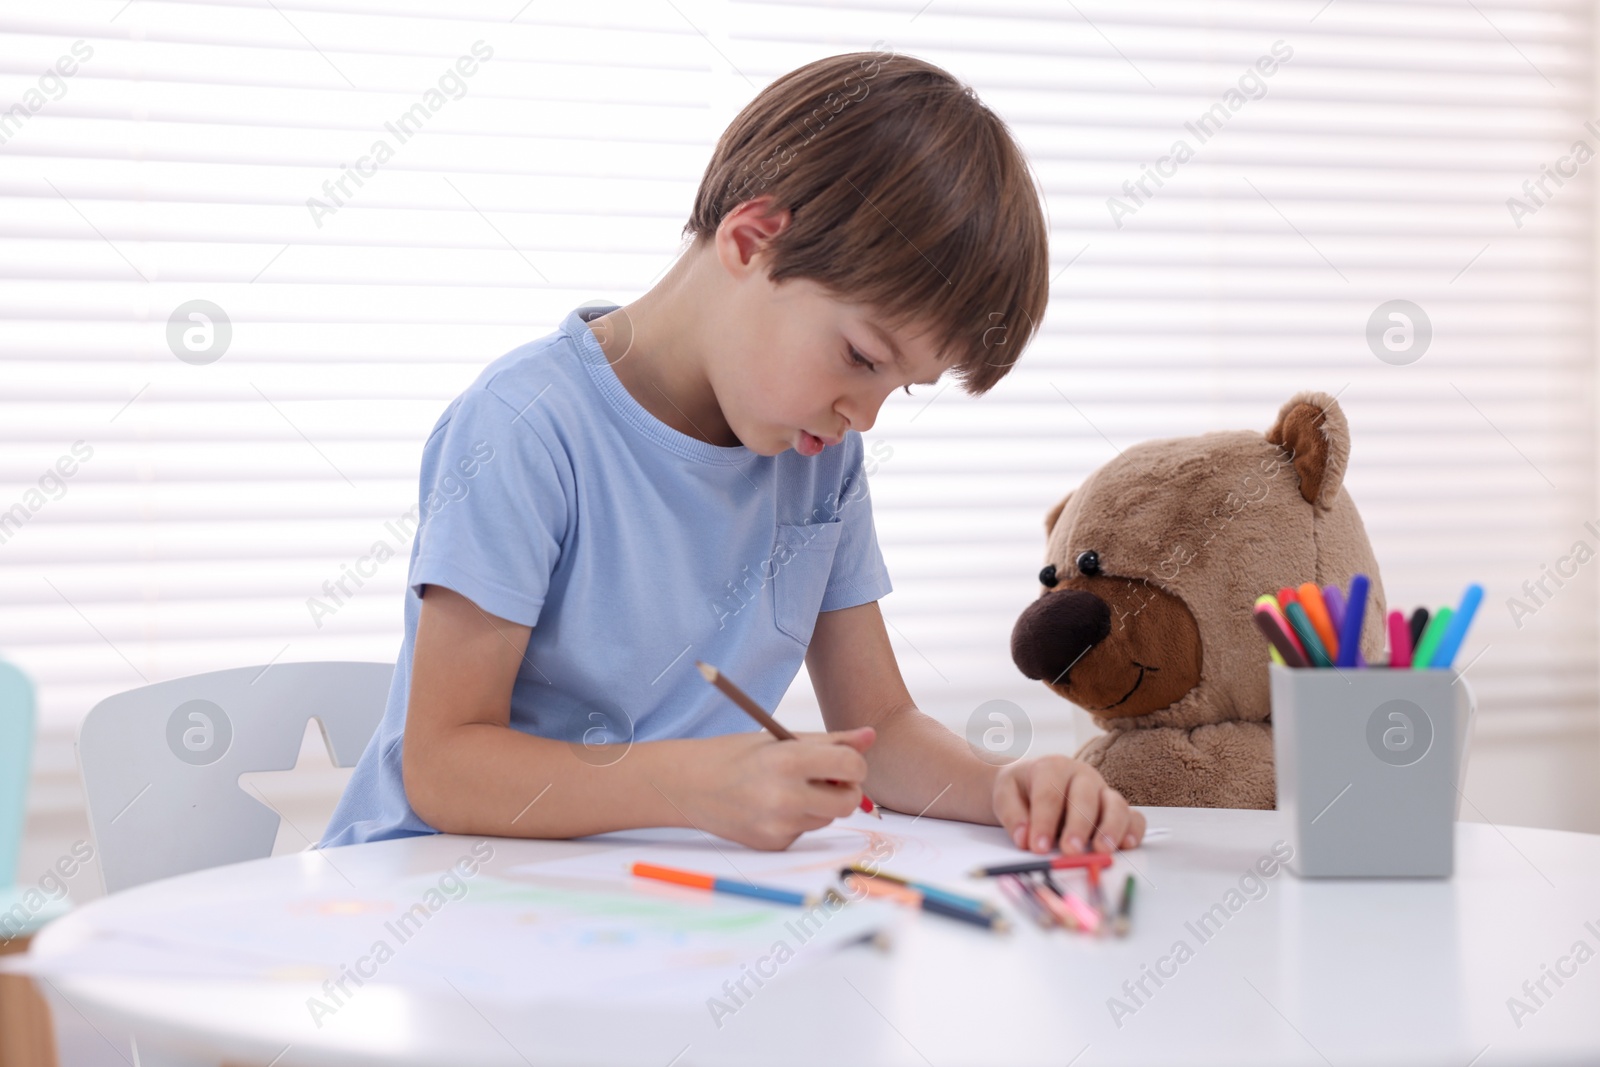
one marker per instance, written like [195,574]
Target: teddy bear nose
[1056,630]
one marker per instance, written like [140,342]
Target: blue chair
[25,1035]
[16,757]
[23,908]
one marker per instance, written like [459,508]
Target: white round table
[1285,971]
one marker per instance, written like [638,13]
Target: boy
[683,479]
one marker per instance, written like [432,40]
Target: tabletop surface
[1493,966]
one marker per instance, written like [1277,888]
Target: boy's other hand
[1055,801]
[764,793]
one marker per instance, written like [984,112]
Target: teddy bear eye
[1089,563]
[1047,577]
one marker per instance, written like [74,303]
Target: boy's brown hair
[906,194]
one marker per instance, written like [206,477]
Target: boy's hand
[1051,800]
[764,793]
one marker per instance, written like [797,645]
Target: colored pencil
[1422,655]
[1307,635]
[1024,900]
[1097,898]
[1399,640]
[1076,914]
[1046,863]
[696,880]
[1050,895]
[875,887]
[1054,896]
[1354,615]
[759,714]
[878,939]
[922,887]
[1450,642]
[1124,917]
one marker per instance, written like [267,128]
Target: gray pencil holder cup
[1368,767]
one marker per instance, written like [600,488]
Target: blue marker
[1450,643]
[1355,609]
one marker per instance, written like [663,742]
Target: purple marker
[1333,599]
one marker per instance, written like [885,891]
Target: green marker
[1308,635]
[1422,658]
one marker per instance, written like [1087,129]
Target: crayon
[1450,642]
[1422,655]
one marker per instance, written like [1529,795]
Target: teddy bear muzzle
[1056,631]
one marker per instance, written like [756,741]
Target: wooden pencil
[759,714]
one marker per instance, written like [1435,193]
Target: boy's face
[785,375]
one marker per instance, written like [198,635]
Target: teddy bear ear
[1054,513]
[1312,427]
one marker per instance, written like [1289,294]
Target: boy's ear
[748,229]
[1054,513]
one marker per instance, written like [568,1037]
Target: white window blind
[175,164]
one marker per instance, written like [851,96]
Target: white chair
[161,763]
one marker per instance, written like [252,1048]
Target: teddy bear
[1152,568]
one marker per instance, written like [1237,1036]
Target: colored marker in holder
[1422,656]
[1354,615]
[1450,641]
[1307,634]
[1317,612]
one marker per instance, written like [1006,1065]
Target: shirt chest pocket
[802,555]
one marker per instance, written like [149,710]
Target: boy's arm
[920,767]
[466,770]
[916,765]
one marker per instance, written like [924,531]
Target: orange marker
[1321,621]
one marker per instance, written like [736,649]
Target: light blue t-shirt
[549,496]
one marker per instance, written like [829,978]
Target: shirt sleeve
[858,575]
[493,504]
